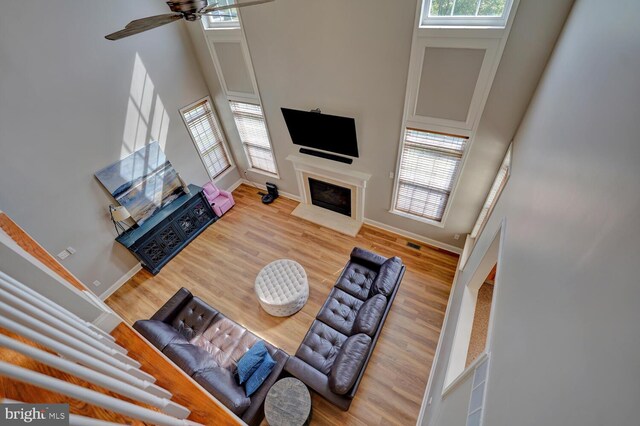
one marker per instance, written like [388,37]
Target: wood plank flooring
[220,266]
[185,391]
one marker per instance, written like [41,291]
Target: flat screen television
[322,131]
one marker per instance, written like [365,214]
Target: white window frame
[456,178]
[245,144]
[223,141]
[480,92]
[475,21]
[210,24]
[494,194]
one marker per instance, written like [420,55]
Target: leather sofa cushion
[188,357]
[170,309]
[369,315]
[159,333]
[348,363]
[365,257]
[320,346]
[193,318]
[316,381]
[356,280]
[220,383]
[386,280]
[339,311]
[225,341]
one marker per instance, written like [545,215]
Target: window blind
[206,134]
[494,193]
[253,133]
[428,168]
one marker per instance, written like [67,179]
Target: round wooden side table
[288,403]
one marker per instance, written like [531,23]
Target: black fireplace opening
[331,197]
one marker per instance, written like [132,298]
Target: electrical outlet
[71,250]
[97,283]
[456,237]
[391,175]
[63,254]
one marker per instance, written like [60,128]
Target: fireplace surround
[336,179]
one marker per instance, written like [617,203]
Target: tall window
[227,18]
[494,193]
[428,168]
[253,133]
[492,13]
[206,134]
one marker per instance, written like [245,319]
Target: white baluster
[91,376]
[89,396]
[74,419]
[72,341]
[27,294]
[63,327]
[82,358]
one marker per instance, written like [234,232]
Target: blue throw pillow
[250,361]
[260,375]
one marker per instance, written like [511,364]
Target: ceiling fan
[191,10]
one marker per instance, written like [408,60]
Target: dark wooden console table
[169,230]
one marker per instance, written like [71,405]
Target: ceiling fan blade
[213,7]
[144,24]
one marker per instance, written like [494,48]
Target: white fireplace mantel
[335,173]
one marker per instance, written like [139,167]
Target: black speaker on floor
[272,194]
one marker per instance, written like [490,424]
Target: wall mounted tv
[322,131]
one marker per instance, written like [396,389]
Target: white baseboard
[235,185]
[417,237]
[107,321]
[402,232]
[115,286]
[262,188]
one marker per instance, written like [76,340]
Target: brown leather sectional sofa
[207,345]
[331,359]
[334,354]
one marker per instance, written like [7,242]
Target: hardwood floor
[185,391]
[220,266]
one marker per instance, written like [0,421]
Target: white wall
[64,95]
[223,109]
[23,267]
[566,339]
[351,58]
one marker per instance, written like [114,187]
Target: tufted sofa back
[194,318]
[226,341]
[335,351]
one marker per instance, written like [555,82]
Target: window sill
[417,218]
[263,172]
[464,374]
[220,28]
[210,26]
[224,173]
[461,26]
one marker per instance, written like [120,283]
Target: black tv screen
[322,131]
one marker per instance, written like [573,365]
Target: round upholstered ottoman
[282,287]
